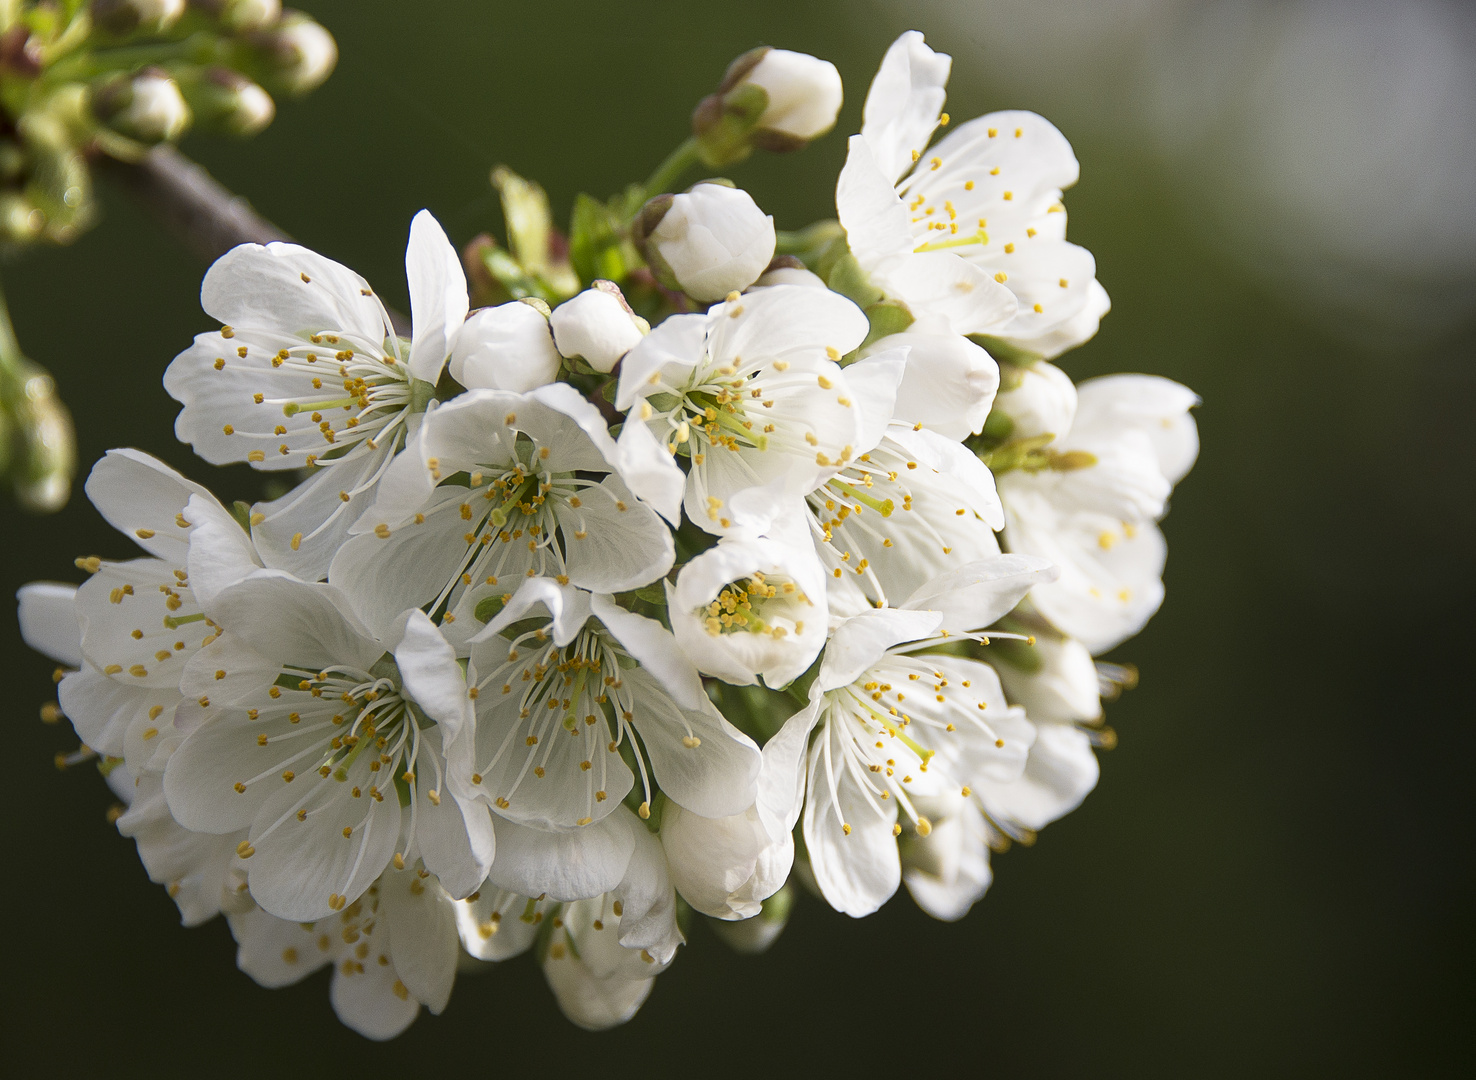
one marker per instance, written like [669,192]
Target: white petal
[1077,330]
[48,621]
[309,624]
[411,566]
[700,760]
[299,865]
[1060,772]
[861,641]
[273,951]
[1159,407]
[421,921]
[438,301]
[102,709]
[947,871]
[566,865]
[874,383]
[1043,402]
[291,289]
[949,383]
[977,595]
[944,286]
[680,341]
[568,610]
[220,550]
[612,542]
[857,870]
[493,927]
[649,471]
[593,1003]
[648,902]
[1063,688]
[904,101]
[652,645]
[876,221]
[314,515]
[374,1002]
[140,496]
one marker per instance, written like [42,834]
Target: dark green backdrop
[1274,875]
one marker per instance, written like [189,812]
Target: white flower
[752,392]
[139,622]
[727,867]
[495,488]
[508,347]
[579,679]
[711,240]
[751,606]
[392,950]
[947,871]
[606,944]
[598,326]
[201,872]
[804,93]
[1042,401]
[130,630]
[948,384]
[913,506]
[310,373]
[898,725]
[1089,502]
[1060,688]
[333,753]
[988,196]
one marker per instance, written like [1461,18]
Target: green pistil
[174,622]
[883,507]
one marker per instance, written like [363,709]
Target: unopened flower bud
[148,107]
[299,52]
[242,15]
[597,325]
[708,242]
[131,16]
[21,221]
[1038,400]
[45,447]
[229,101]
[508,347]
[773,99]
[804,96]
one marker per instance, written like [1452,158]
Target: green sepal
[241,511]
[1005,352]
[847,278]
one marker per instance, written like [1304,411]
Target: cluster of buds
[116,77]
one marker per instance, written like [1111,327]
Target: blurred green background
[1274,874]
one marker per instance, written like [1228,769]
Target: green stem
[677,163]
[12,360]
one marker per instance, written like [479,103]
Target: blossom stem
[677,163]
[200,211]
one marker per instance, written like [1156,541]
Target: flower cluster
[686,568]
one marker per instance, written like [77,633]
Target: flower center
[577,692]
[755,605]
